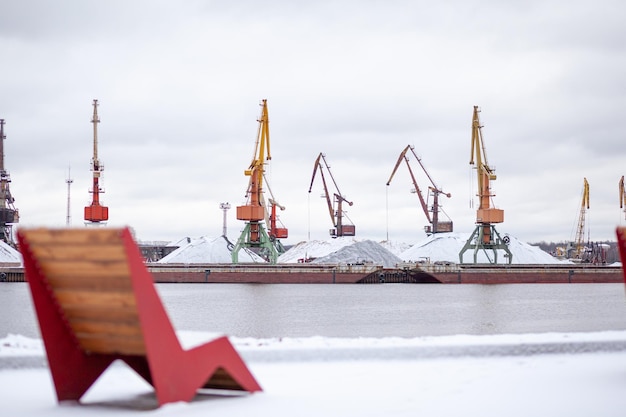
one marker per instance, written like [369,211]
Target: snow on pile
[395,247]
[9,255]
[206,250]
[340,250]
[446,247]
[315,249]
[366,251]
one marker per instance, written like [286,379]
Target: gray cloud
[179,86]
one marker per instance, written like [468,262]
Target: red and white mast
[95,213]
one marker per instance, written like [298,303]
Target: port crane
[339,228]
[577,251]
[485,236]
[622,195]
[277,230]
[95,213]
[9,215]
[254,212]
[436,226]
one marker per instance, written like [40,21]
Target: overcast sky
[179,86]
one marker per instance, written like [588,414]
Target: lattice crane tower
[9,215]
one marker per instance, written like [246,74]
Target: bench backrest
[87,273]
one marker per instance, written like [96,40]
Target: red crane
[95,213]
[437,226]
[337,215]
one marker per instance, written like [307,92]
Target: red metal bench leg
[72,371]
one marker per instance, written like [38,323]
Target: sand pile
[445,247]
[206,250]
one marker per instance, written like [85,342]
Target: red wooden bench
[96,302]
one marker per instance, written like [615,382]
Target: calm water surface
[404,310]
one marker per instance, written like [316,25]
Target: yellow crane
[485,236]
[254,212]
[579,240]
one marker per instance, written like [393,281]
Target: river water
[403,310]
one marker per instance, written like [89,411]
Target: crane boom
[437,226]
[339,229]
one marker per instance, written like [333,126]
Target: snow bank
[366,251]
[446,247]
[206,250]
[341,250]
[8,255]
[315,249]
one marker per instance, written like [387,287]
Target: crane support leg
[263,242]
[482,238]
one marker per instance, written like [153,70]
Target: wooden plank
[86,268]
[79,236]
[88,299]
[45,253]
[112,344]
[122,314]
[98,326]
[222,380]
[103,281]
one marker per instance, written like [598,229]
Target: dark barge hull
[520,274]
[369,274]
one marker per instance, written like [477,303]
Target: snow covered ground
[552,374]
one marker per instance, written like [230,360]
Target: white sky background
[179,86]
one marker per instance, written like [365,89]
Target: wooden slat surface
[72,236]
[88,272]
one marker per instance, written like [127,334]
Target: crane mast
[436,225]
[9,215]
[96,213]
[339,228]
[485,236]
[254,212]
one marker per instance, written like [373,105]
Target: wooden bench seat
[96,302]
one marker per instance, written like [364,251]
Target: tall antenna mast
[8,213]
[96,214]
[68,181]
